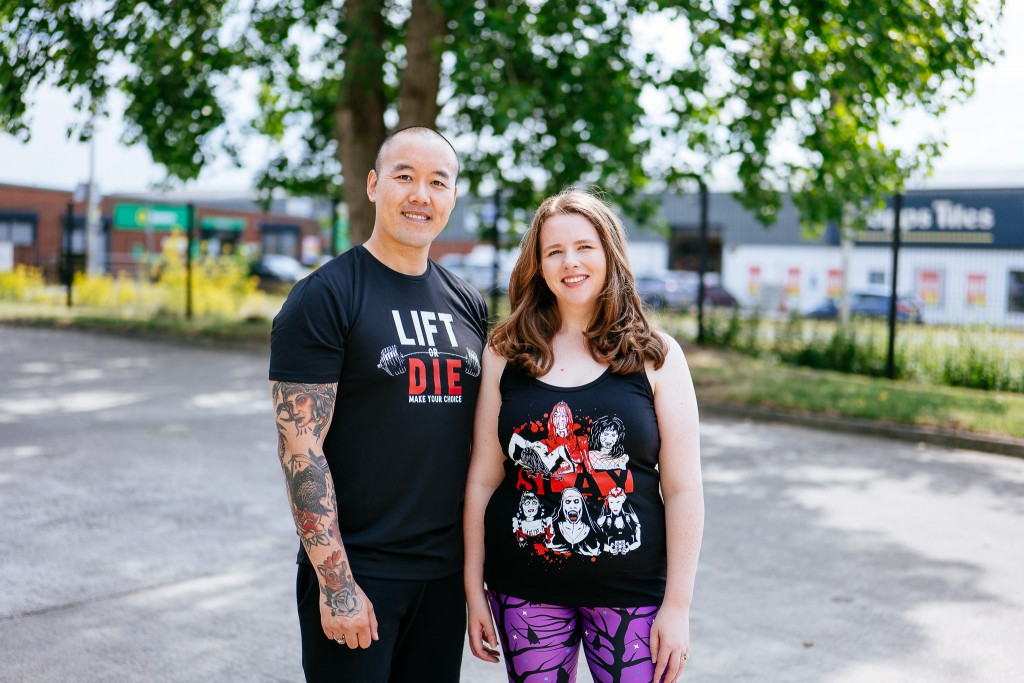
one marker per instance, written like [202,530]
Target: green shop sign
[222,223]
[150,217]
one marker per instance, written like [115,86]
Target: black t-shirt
[578,519]
[405,351]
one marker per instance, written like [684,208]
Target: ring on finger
[340,641]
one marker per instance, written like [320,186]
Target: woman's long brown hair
[618,334]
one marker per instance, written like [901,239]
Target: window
[18,231]
[876,277]
[1015,292]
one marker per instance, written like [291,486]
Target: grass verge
[730,378]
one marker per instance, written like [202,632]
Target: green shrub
[968,365]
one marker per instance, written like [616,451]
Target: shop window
[876,277]
[1015,292]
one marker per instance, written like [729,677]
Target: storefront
[961,257]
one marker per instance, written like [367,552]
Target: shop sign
[987,219]
[222,223]
[150,217]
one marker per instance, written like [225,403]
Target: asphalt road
[145,535]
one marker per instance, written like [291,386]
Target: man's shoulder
[457,284]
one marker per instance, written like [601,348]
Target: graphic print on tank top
[587,466]
[434,374]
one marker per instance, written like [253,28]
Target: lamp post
[491,215]
[93,245]
[703,257]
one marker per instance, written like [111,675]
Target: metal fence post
[890,357]
[188,262]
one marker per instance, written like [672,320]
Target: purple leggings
[541,642]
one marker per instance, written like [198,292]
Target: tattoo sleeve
[303,413]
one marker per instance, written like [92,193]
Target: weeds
[861,348]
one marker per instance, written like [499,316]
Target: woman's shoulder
[493,363]
[675,361]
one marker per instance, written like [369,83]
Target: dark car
[718,296]
[278,269]
[675,290]
[869,305]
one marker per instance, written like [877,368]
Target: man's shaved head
[413,130]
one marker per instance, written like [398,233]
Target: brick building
[35,222]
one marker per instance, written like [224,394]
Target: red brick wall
[49,206]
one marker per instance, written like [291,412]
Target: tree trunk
[417,93]
[359,114]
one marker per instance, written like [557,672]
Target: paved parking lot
[145,535]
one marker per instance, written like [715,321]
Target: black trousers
[422,628]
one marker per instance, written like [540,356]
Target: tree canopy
[535,94]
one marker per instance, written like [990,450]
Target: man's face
[414,191]
[301,408]
[572,503]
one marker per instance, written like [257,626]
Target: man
[383,347]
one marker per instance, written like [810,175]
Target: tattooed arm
[303,413]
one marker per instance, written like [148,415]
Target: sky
[985,139]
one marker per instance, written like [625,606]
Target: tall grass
[969,357]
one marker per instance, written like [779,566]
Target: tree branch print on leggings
[541,641]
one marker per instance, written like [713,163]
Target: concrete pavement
[145,535]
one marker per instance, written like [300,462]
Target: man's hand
[347,616]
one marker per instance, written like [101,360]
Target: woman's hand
[670,642]
[482,639]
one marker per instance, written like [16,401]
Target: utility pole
[93,244]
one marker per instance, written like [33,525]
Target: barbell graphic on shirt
[392,361]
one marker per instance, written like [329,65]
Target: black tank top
[578,519]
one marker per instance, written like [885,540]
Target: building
[39,226]
[961,256]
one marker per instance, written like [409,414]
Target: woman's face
[301,408]
[572,504]
[615,504]
[530,507]
[560,419]
[609,437]
[572,260]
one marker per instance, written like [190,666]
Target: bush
[862,348]
[968,365]
[221,285]
[24,284]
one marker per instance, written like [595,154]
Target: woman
[607,436]
[530,525]
[577,339]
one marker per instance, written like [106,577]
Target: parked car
[278,269]
[675,290]
[717,295]
[479,275]
[869,305]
